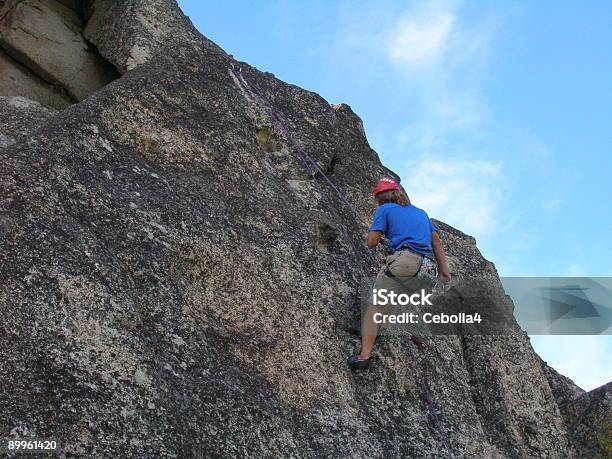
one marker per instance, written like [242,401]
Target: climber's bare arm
[374,238]
[440,256]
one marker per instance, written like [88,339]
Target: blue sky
[495,114]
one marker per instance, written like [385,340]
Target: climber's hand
[445,276]
[373,238]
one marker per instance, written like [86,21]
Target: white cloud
[432,37]
[421,39]
[443,60]
[460,192]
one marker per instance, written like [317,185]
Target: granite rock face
[46,37]
[564,390]
[128,33]
[181,256]
[21,116]
[587,415]
[19,81]
[592,427]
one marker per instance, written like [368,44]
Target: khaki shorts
[398,274]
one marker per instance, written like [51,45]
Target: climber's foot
[358,362]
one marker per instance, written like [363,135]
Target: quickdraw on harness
[311,166]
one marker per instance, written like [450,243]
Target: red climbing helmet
[385,184]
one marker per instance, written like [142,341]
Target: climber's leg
[369,328]
[397,275]
[368,334]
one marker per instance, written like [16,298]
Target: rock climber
[412,240]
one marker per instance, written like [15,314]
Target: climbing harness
[428,269]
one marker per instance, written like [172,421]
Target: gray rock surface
[18,80]
[76,5]
[587,415]
[182,280]
[21,116]
[46,37]
[131,32]
[592,426]
[564,390]
[6,141]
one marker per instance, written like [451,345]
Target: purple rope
[429,401]
[309,164]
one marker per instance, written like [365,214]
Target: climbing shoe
[358,363]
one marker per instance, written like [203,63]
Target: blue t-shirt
[404,226]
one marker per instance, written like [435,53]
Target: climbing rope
[423,382]
[423,379]
[312,167]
